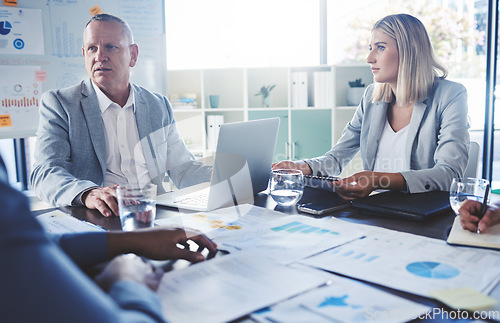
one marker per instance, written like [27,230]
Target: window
[228,33]
[225,33]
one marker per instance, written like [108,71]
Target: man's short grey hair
[108,17]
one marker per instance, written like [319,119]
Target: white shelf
[237,87]
[347,107]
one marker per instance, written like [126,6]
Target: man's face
[109,55]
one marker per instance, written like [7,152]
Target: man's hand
[160,244]
[288,164]
[468,216]
[132,268]
[103,199]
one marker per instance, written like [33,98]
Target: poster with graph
[49,34]
[21,31]
[20,94]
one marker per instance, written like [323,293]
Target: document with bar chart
[20,92]
[290,238]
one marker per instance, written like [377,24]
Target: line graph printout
[411,263]
[20,92]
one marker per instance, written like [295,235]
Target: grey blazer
[70,152]
[437,148]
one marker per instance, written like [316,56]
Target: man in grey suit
[106,131]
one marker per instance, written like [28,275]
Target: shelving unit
[304,132]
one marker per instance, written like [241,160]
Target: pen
[484,206]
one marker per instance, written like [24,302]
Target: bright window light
[229,33]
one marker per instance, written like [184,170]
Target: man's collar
[105,102]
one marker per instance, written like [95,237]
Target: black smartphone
[324,206]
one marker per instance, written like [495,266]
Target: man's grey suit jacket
[70,153]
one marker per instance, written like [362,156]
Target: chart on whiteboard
[20,92]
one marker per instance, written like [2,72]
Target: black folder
[416,206]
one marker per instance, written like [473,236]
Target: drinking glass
[137,206]
[469,188]
[287,186]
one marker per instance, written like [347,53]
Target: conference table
[437,228]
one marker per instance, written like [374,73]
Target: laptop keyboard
[199,198]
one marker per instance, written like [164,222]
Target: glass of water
[137,206]
[286,186]
[463,189]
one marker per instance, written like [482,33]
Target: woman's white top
[390,155]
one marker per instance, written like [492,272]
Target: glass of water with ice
[137,206]
[286,186]
[463,189]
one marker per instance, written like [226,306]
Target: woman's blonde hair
[418,65]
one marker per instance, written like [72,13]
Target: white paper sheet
[234,219]
[283,238]
[290,238]
[19,99]
[229,287]
[412,263]
[21,31]
[344,300]
[60,222]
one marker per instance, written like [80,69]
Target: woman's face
[383,58]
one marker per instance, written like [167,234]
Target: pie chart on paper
[5,27]
[433,270]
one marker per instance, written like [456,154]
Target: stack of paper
[411,263]
[226,288]
[59,222]
[343,300]
[273,260]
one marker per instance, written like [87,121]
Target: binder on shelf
[213,126]
[298,89]
[323,89]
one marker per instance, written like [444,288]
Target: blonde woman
[411,124]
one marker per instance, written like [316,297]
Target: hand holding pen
[476,216]
[484,206]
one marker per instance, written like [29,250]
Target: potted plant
[265,92]
[355,91]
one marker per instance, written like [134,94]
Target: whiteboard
[62,63]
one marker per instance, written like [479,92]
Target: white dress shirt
[391,150]
[125,162]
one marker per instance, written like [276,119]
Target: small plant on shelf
[355,92]
[265,89]
[356,83]
[265,92]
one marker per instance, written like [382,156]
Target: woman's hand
[358,185]
[288,164]
[363,183]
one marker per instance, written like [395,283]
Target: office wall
[61,63]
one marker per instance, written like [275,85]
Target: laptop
[241,168]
